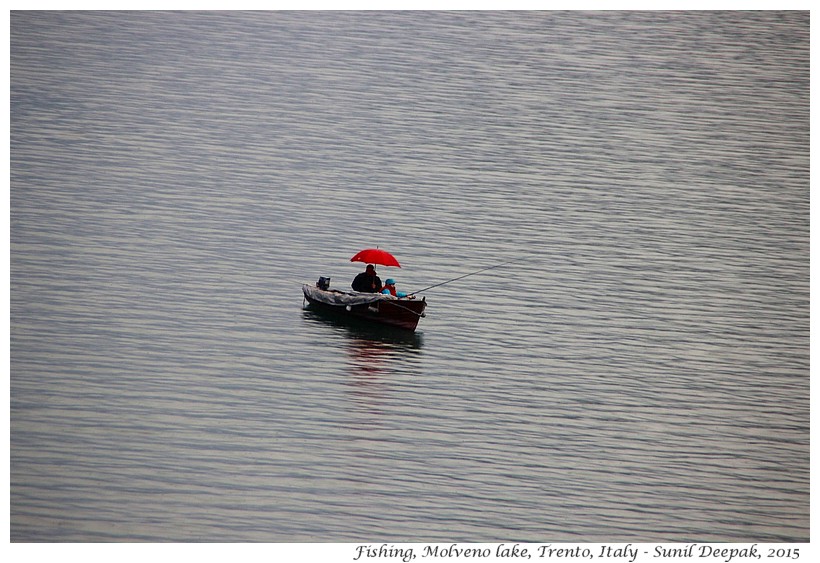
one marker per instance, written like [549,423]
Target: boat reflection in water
[374,355]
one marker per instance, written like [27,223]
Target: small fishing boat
[402,312]
[399,311]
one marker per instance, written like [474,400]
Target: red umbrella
[376,256]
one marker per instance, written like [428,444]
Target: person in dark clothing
[367,281]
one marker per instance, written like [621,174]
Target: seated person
[390,289]
[367,281]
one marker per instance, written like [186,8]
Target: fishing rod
[464,276]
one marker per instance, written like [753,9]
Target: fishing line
[466,275]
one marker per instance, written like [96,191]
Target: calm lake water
[639,373]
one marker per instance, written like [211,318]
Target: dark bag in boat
[323,283]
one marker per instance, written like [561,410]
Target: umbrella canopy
[376,256]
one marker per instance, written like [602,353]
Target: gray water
[640,373]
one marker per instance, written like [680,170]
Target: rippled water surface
[640,373]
